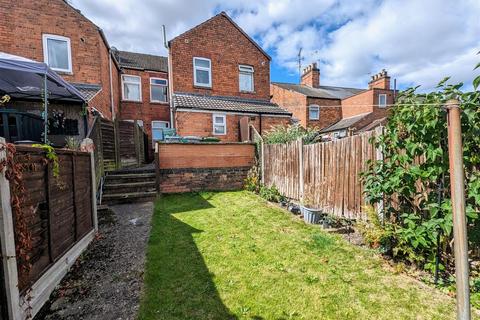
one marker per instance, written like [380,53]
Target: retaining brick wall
[202,179]
[199,167]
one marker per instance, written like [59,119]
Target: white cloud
[419,42]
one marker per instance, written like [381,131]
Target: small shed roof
[226,104]
[23,78]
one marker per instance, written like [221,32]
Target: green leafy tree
[413,179]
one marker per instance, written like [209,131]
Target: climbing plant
[412,181]
[21,211]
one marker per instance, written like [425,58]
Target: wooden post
[300,166]
[87,145]
[116,134]
[457,184]
[262,159]
[136,142]
[7,239]
[157,167]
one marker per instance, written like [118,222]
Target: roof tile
[232,104]
[141,61]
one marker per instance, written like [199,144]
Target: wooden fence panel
[62,206]
[282,168]
[331,172]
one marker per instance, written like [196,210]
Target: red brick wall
[291,101]
[198,167]
[366,102]
[23,23]
[211,155]
[145,110]
[200,124]
[221,42]
[330,112]
[298,104]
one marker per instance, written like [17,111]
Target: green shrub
[285,134]
[414,173]
[252,182]
[271,194]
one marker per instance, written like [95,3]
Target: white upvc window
[313,112]
[245,78]
[382,100]
[158,90]
[57,52]
[157,130]
[219,124]
[202,72]
[131,88]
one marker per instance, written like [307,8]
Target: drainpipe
[170,77]
[260,116]
[112,106]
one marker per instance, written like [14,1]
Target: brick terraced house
[54,32]
[334,109]
[144,91]
[221,82]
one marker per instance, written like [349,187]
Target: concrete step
[119,198]
[111,187]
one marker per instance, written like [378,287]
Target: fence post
[262,160]
[136,139]
[7,240]
[300,166]
[157,167]
[87,145]
[116,138]
[457,184]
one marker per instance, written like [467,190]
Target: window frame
[318,112]
[251,73]
[166,86]
[195,68]
[380,105]
[45,38]
[123,87]
[158,121]
[224,116]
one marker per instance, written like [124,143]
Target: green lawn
[231,255]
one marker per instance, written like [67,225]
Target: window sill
[160,102]
[132,101]
[202,87]
[249,92]
[67,73]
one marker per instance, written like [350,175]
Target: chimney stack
[380,80]
[311,76]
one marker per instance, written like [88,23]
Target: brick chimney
[311,76]
[380,81]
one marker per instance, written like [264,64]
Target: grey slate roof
[87,90]
[326,92]
[226,104]
[141,61]
[345,123]
[375,123]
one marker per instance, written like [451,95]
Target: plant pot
[310,215]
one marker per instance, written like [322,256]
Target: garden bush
[413,179]
[285,134]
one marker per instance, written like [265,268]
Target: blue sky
[419,42]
